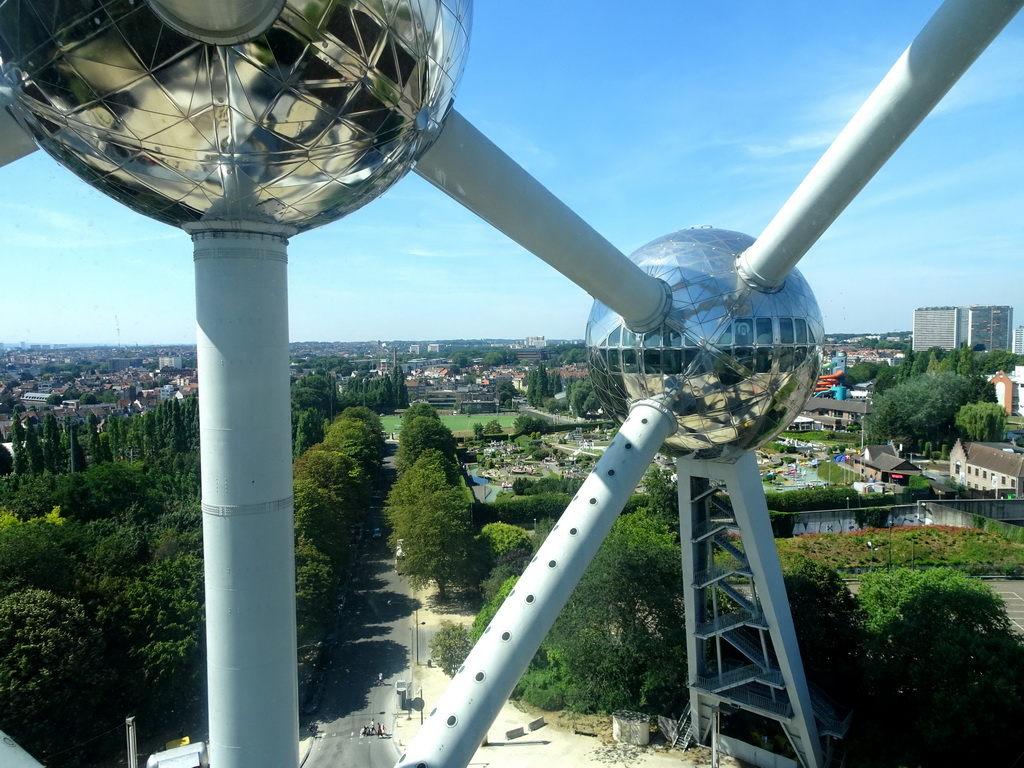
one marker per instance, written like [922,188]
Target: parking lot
[1012,593]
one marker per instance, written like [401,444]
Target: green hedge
[830,497]
[525,509]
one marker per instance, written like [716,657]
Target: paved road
[373,637]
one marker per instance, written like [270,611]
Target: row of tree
[333,483]
[428,507]
[46,445]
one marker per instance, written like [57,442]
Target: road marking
[1014,608]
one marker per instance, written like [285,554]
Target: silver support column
[736,602]
[458,724]
[248,530]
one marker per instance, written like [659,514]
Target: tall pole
[133,750]
[248,529]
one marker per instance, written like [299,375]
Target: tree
[432,518]
[662,496]
[982,422]
[6,461]
[423,433]
[357,434]
[166,618]
[35,555]
[583,399]
[858,373]
[502,538]
[55,457]
[527,425]
[828,625]
[507,393]
[316,584]
[51,677]
[337,475]
[919,409]
[318,521]
[620,639]
[21,462]
[450,646]
[493,427]
[940,651]
[309,430]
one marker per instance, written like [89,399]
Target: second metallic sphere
[745,361]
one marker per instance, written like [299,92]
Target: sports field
[458,423]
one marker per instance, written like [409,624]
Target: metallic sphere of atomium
[298,126]
[744,361]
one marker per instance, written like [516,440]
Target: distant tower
[940,327]
[1018,340]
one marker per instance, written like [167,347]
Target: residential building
[937,327]
[1008,389]
[836,414]
[989,327]
[881,463]
[981,326]
[988,468]
[1018,340]
[537,342]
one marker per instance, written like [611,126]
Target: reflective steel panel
[746,361]
[299,126]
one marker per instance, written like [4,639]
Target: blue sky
[645,118]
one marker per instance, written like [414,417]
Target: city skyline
[700,118]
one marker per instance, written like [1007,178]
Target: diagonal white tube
[949,43]
[467,166]
[459,723]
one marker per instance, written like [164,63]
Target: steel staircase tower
[742,651]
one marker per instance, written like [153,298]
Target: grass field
[457,424]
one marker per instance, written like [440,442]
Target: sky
[644,118]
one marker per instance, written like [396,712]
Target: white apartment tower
[1018,340]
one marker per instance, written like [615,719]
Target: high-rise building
[937,327]
[1018,340]
[989,327]
[981,326]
